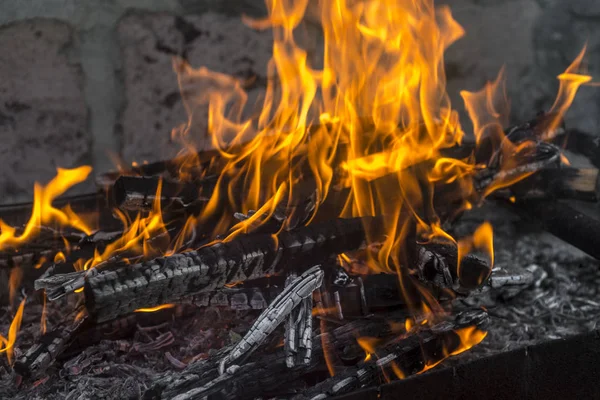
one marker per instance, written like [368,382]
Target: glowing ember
[154,309]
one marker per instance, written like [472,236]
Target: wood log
[264,374]
[560,183]
[138,193]
[405,357]
[41,355]
[118,290]
[580,142]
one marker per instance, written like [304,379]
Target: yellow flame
[136,236]
[7,344]
[380,94]
[44,213]
[368,344]
[14,280]
[482,240]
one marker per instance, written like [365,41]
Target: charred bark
[267,376]
[138,193]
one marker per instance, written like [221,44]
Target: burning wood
[349,163]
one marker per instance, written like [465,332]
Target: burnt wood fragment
[138,193]
[51,345]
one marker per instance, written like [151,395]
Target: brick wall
[83,80]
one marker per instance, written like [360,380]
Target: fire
[481,241]
[467,338]
[43,213]
[154,309]
[7,344]
[368,344]
[14,280]
[373,117]
[136,236]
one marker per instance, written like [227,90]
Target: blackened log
[406,356]
[580,142]
[138,193]
[559,183]
[121,289]
[265,374]
[564,222]
[51,345]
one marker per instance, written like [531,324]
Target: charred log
[50,346]
[120,289]
[138,193]
[267,375]
[404,357]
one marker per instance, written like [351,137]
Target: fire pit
[345,236]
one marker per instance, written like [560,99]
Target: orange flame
[14,280]
[7,344]
[136,236]
[373,118]
[44,317]
[468,337]
[482,240]
[44,213]
[570,81]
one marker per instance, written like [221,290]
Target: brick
[43,117]
[149,41]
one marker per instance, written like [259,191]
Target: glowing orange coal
[154,309]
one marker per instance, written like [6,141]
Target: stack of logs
[258,264]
